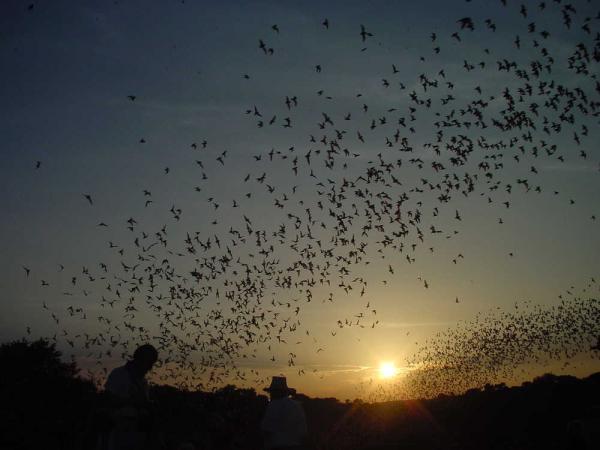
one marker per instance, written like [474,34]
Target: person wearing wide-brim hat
[284,422]
[279,386]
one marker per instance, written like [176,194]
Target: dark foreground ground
[45,405]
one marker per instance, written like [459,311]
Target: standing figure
[284,423]
[132,412]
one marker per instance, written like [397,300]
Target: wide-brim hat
[279,384]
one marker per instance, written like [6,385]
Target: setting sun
[387,370]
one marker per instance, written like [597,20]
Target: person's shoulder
[118,372]
[276,405]
[117,380]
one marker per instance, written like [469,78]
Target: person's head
[144,358]
[279,388]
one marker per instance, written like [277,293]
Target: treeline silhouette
[46,404]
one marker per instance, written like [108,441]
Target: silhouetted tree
[44,403]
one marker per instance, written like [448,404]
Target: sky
[196,73]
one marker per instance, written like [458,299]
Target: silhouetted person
[584,433]
[284,423]
[132,413]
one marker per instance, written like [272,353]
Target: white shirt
[285,422]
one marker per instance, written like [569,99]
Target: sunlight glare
[387,370]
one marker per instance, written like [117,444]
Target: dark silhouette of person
[284,423]
[132,412]
[583,433]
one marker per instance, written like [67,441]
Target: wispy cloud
[570,168]
[412,324]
